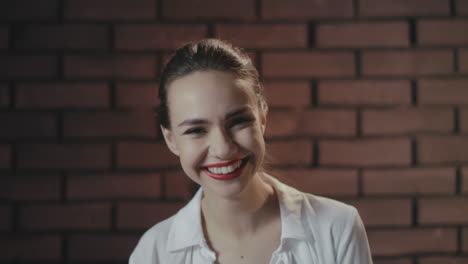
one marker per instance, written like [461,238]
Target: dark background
[368,98]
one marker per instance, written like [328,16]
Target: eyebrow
[198,121]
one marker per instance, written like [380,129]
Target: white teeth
[225,169]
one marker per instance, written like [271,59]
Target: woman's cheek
[194,153]
[250,138]
[190,160]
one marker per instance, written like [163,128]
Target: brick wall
[368,98]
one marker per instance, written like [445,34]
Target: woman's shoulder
[319,209]
[329,208]
[314,205]
[159,231]
[152,242]
[171,234]
[327,217]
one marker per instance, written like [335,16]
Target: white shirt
[314,229]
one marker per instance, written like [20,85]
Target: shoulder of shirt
[327,211]
[159,231]
[330,207]
[153,241]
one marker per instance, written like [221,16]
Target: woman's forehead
[207,91]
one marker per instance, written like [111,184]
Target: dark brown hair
[204,55]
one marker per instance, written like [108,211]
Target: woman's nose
[221,144]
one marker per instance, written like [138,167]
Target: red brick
[317,122]
[308,64]
[464,119]
[157,36]
[137,94]
[412,241]
[379,34]
[111,9]
[114,186]
[32,247]
[100,247]
[110,66]
[442,32]
[30,188]
[442,92]
[53,37]
[364,92]
[144,215]
[6,222]
[253,58]
[28,9]
[462,7]
[384,212]
[3,37]
[465,180]
[145,155]
[329,182]
[64,156]
[22,125]
[304,9]
[365,152]
[442,149]
[446,260]
[5,157]
[4,95]
[62,95]
[291,152]
[323,122]
[411,181]
[434,211]
[27,66]
[282,123]
[407,62]
[465,240]
[393,261]
[193,9]
[404,7]
[463,60]
[65,216]
[264,35]
[407,121]
[178,185]
[299,93]
[110,124]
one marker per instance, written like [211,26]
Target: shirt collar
[291,205]
[186,230]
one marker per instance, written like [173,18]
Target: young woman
[213,117]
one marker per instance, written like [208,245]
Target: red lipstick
[228,176]
[221,164]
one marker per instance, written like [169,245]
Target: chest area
[256,249]
[251,252]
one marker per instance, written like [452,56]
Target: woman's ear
[170,141]
[263,120]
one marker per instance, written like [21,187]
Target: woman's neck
[238,219]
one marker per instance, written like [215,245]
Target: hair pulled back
[204,55]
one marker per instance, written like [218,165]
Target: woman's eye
[240,121]
[194,131]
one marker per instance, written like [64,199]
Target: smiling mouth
[225,171]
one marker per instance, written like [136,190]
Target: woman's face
[216,130]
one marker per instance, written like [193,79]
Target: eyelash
[240,121]
[235,122]
[194,131]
